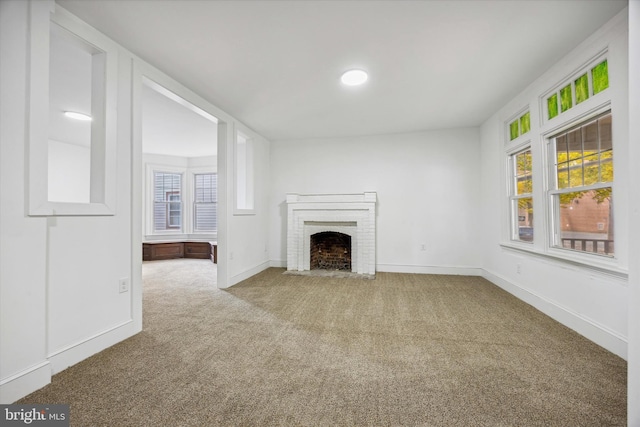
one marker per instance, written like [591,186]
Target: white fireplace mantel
[352,214]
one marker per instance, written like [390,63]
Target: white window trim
[192,172]
[585,67]
[597,263]
[188,195]
[149,198]
[520,147]
[39,204]
[596,260]
[541,130]
[521,136]
[244,190]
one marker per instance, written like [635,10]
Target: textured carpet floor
[288,350]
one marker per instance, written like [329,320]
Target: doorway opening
[179,180]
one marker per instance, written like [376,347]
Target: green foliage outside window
[582,88]
[523,177]
[583,160]
[519,126]
[600,196]
[525,123]
[600,74]
[526,205]
[513,130]
[523,173]
[566,98]
[599,82]
[552,105]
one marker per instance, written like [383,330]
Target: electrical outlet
[423,247]
[230,255]
[123,285]
[518,269]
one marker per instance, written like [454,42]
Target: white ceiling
[170,128]
[275,65]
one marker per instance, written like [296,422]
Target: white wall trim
[586,327]
[74,353]
[409,269]
[104,131]
[247,273]
[429,269]
[24,382]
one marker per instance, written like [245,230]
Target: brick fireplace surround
[350,214]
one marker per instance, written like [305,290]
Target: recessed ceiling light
[77,116]
[354,77]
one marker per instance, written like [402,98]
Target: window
[181,201]
[520,126]
[174,210]
[588,83]
[521,199]
[167,201]
[581,184]
[205,213]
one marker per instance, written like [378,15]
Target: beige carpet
[316,351]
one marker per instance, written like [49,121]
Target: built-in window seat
[153,251]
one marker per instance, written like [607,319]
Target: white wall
[247,251]
[633,396]
[59,275]
[592,302]
[69,172]
[23,240]
[88,255]
[428,194]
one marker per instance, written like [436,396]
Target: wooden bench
[152,251]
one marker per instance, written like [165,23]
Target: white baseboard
[278,263]
[412,269]
[63,358]
[586,327]
[248,273]
[427,269]
[25,382]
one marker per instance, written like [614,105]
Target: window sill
[181,237]
[593,263]
[166,233]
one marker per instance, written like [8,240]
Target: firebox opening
[330,250]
